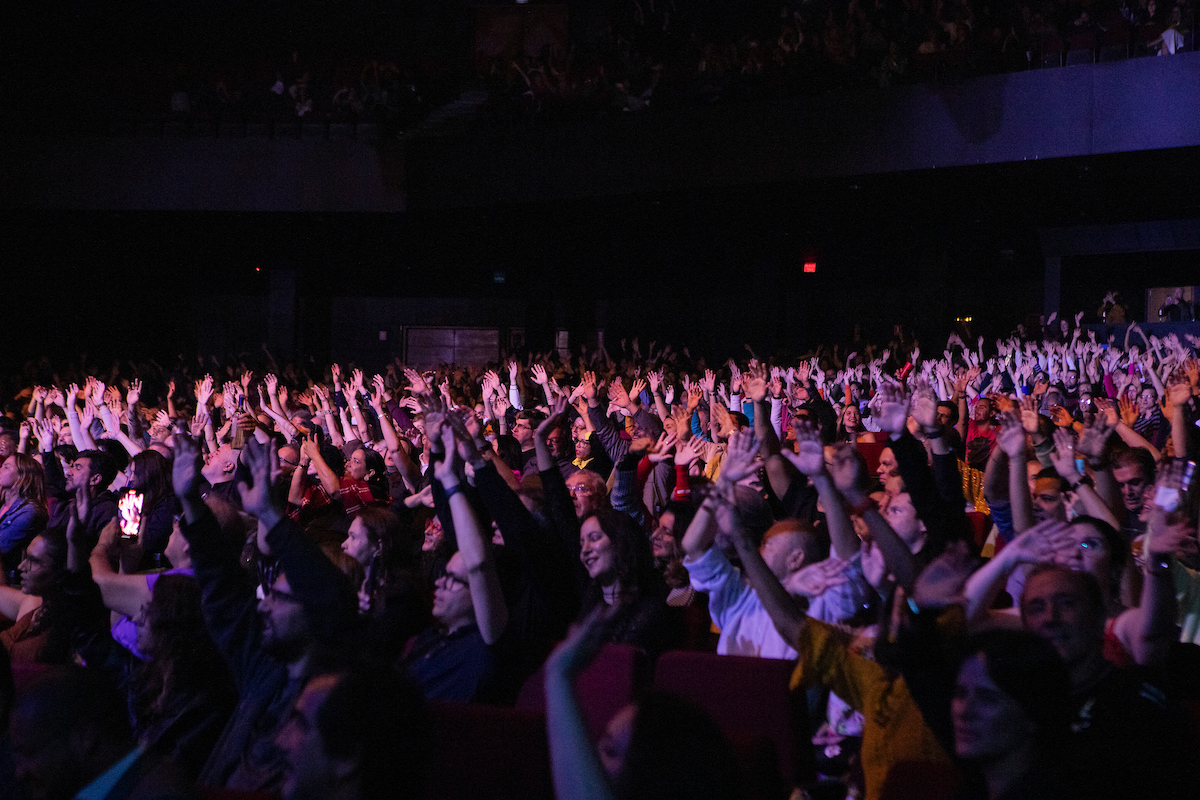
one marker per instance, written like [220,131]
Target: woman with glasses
[41,631]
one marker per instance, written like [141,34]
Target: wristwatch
[1083,481]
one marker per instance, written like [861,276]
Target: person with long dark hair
[23,513]
[389,593]
[150,473]
[617,556]
[1010,715]
[40,632]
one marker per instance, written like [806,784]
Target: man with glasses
[458,659]
[522,430]
[272,646]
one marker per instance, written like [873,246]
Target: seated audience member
[793,551]
[272,646]
[23,514]
[358,734]
[150,473]
[40,631]
[661,746]
[1010,717]
[458,658]
[71,738]
[616,554]
[388,590]
[87,495]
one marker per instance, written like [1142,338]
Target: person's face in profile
[988,722]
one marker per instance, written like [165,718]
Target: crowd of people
[670,53]
[245,577]
[638,54]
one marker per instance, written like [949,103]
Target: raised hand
[688,452]
[185,471]
[204,391]
[161,418]
[356,382]
[892,405]
[740,460]
[1108,410]
[1094,437]
[1011,437]
[538,373]
[847,470]
[1063,457]
[587,386]
[754,383]
[336,371]
[924,405]
[813,580]
[96,391]
[693,398]
[416,382]
[257,496]
[449,471]
[809,457]
[617,394]
[1128,410]
[1179,390]
[246,378]
[669,394]
[200,421]
[54,397]
[662,449]
[87,414]
[1030,419]
[380,393]
[1048,541]
[44,431]
[709,382]
[271,382]
[636,388]
[135,392]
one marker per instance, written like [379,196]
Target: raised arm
[491,611]
[849,477]
[1148,631]
[79,434]
[784,610]
[124,594]
[1011,440]
[1179,393]
[1063,458]
[1036,545]
[331,482]
[810,460]
[574,763]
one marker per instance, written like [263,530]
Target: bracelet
[456,489]
[1084,481]
[937,433]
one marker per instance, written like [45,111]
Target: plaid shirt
[354,495]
